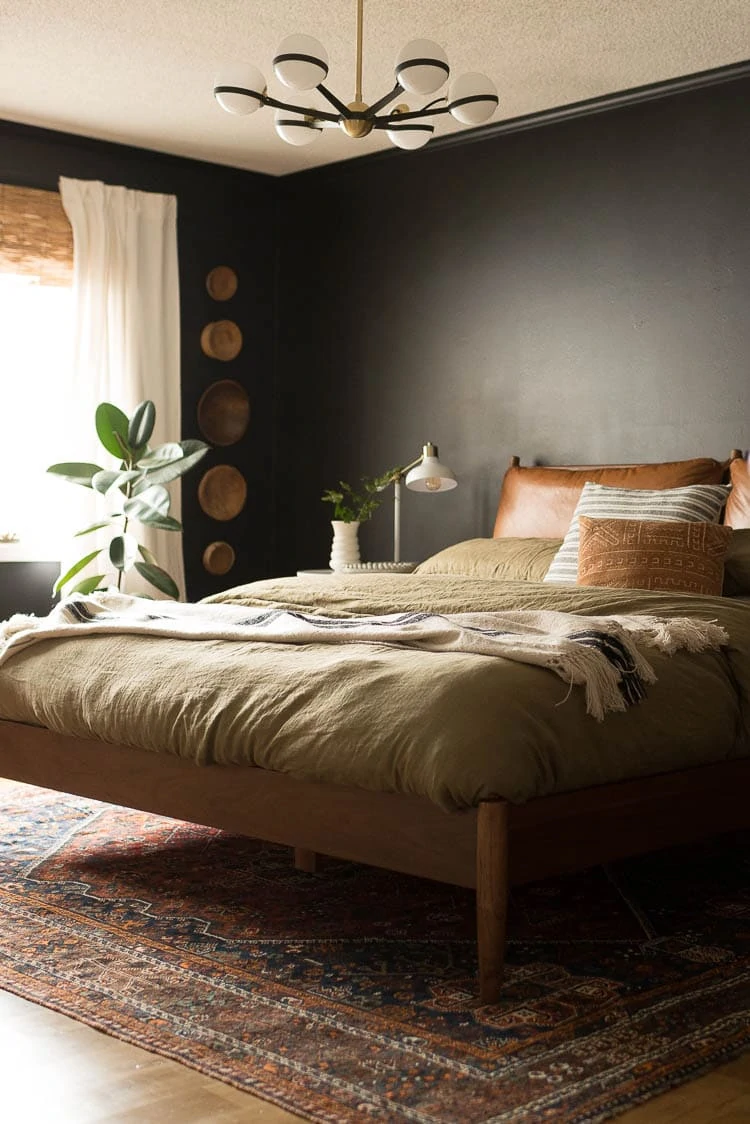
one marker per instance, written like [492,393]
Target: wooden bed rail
[487,848]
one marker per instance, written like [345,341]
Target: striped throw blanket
[603,654]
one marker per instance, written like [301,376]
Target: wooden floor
[58,1071]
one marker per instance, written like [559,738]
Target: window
[36,253]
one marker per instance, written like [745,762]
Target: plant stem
[121,572]
[128,492]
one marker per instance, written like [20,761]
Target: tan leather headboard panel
[737,512]
[538,502]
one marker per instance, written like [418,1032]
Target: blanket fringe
[669,636]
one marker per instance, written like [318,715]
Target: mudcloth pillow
[643,554]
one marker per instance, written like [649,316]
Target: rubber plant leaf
[112,429]
[161,455]
[195,451]
[94,527]
[75,569]
[146,555]
[148,505]
[76,472]
[141,425]
[159,578]
[88,585]
[107,479]
[123,550]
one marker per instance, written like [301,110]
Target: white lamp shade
[422,67]
[410,134]
[239,89]
[295,128]
[472,99]
[301,62]
[430,475]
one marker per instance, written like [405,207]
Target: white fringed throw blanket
[601,653]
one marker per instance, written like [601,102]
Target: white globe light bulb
[295,128]
[301,62]
[472,99]
[422,67]
[239,89]
[410,134]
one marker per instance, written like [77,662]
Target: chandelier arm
[306,110]
[385,100]
[344,110]
[387,119]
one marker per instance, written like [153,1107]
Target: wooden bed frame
[487,848]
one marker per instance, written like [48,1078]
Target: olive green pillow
[495,559]
[737,565]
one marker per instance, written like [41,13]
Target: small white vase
[345,546]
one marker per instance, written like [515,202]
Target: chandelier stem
[358,83]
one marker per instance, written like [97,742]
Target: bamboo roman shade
[35,235]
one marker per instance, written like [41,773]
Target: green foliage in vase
[352,506]
[135,491]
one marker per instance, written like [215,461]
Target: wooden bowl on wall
[218,558]
[221,283]
[222,492]
[224,412]
[221,339]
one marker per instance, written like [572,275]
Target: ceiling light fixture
[301,63]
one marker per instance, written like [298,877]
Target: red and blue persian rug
[349,994]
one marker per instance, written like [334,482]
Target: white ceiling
[141,71]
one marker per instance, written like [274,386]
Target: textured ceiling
[141,71]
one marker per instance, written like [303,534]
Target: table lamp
[425,474]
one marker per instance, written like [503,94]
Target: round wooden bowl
[221,283]
[224,412]
[218,558]
[222,492]
[221,339]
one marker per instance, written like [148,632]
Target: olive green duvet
[452,727]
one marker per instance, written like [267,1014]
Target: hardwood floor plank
[61,1071]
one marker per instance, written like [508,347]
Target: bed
[473,772]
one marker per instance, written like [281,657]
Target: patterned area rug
[349,995]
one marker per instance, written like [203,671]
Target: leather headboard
[737,513]
[538,502]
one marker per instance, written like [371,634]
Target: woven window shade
[35,235]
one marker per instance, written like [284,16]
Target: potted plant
[350,508]
[135,491]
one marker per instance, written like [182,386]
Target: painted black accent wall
[573,293]
[224,217]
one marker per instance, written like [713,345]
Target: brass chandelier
[301,63]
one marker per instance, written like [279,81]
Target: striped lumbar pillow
[696,503]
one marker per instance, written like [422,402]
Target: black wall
[577,292]
[225,217]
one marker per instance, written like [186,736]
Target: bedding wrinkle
[452,727]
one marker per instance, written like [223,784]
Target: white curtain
[127,333]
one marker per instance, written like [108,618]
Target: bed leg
[492,895]
[305,860]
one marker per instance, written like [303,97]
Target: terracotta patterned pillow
[644,554]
